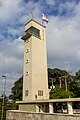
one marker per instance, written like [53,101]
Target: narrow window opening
[27,73]
[26,92]
[27,61]
[27,50]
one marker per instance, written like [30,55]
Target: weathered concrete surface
[27,107]
[21,115]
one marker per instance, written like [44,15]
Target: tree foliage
[5,107]
[59,93]
[54,74]
[74,85]
[17,90]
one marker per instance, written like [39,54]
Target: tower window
[26,92]
[27,50]
[27,73]
[33,31]
[27,61]
[40,93]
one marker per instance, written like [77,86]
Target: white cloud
[11,57]
[63,39]
[13,31]
[9,10]
[51,2]
[67,7]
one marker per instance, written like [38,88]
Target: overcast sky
[63,35]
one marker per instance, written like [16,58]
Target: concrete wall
[27,107]
[19,115]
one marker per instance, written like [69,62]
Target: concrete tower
[35,81]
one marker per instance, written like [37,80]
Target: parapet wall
[21,115]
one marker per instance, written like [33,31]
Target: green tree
[59,93]
[0,106]
[5,107]
[16,94]
[74,85]
[77,76]
[54,75]
[17,90]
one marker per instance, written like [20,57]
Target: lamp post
[3,96]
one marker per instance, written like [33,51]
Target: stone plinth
[20,115]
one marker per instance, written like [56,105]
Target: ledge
[49,101]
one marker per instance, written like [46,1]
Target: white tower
[35,81]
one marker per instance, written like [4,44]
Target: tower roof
[34,21]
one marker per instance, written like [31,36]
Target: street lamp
[3,96]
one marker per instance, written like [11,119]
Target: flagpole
[44,18]
[32,15]
[42,22]
[43,29]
